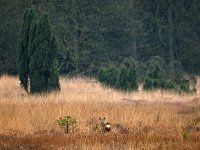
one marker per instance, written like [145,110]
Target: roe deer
[105,126]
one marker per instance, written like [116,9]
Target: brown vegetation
[139,120]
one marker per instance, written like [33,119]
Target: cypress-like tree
[23,59]
[43,62]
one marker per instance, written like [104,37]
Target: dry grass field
[140,120]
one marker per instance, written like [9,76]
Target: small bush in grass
[158,117]
[67,122]
[185,134]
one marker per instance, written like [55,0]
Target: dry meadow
[140,120]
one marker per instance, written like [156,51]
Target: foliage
[67,122]
[124,78]
[158,117]
[127,79]
[185,134]
[108,76]
[23,59]
[154,78]
[175,70]
[43,62]
[131,76]
[169,85]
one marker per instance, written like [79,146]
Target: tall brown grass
[139,120]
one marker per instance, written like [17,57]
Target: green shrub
[108,76]
[131,77]
[154,77]
[185,134]
[122,78]
[169,85]
[112,74]
[67,123]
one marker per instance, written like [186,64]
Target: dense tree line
[94,34]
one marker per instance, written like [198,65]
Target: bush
[123,78]
[169,85]
[131,76]
[102,75]
[157,60]
[154,77]
[67,123]
[108,76]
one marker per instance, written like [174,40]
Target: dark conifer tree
[43,63]
[23,59]
[53,81]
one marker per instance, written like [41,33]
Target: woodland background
[99,33]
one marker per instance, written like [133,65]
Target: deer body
[105,126]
